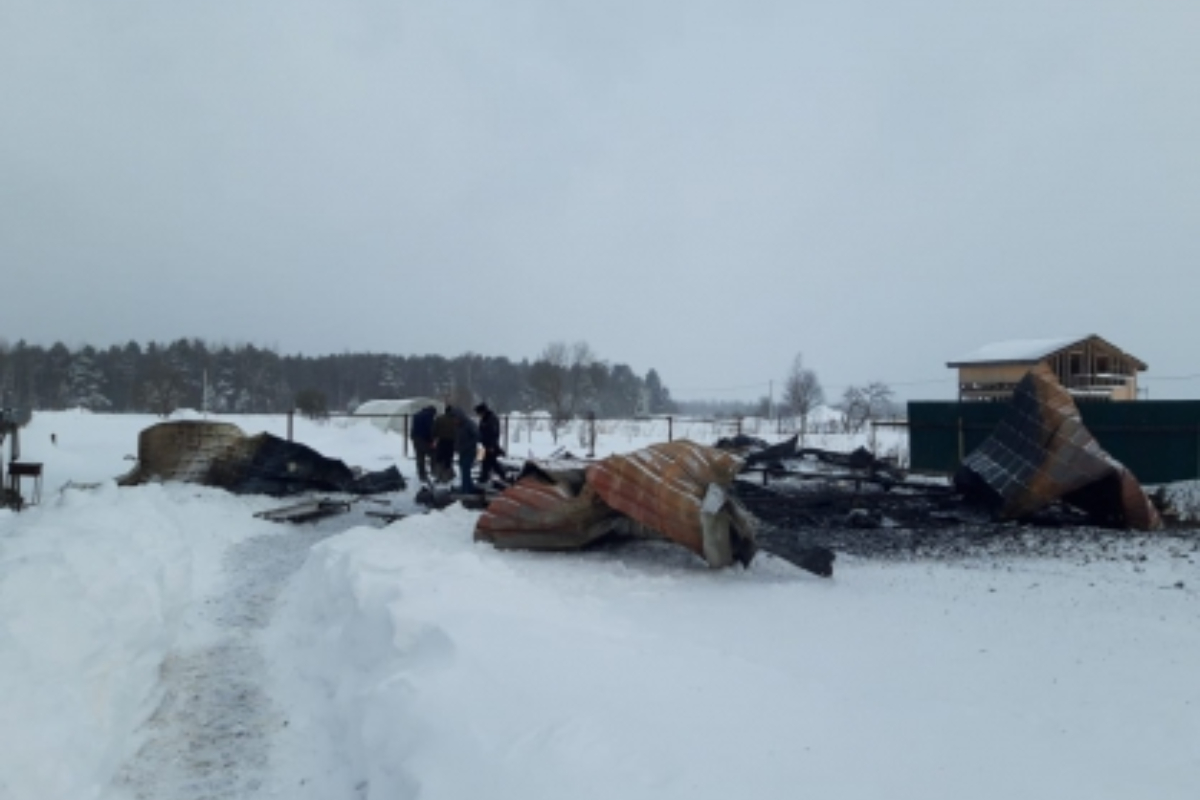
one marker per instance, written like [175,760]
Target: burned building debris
[679,491]
[683,491]
[549,509]
[1041,453]
[220,454]
[658,491]
[306,510]
[1039,484]
[726,503]
[1041,468]
[11,422]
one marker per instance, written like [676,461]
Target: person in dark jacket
[421,435]
[489,438]
[445,431]
[466,442]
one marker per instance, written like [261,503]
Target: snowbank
[420,664]
[93,589]
[409,661]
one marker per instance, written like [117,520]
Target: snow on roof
[396,411]
[409,405]
[1017,350]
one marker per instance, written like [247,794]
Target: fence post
[738,429]
[291,414]
[506,416]
[961,443]
[407,432]
[670,428]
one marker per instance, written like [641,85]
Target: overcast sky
[704,188]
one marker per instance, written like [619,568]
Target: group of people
[439,438]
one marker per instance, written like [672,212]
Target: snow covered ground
[161,642]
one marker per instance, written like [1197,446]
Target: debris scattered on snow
[1041,453]
[220,454]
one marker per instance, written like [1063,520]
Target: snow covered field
[160,642]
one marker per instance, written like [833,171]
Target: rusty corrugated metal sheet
[673,491]
[545,510]
[1041,452]
[663,487]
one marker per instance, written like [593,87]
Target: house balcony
[1100,386]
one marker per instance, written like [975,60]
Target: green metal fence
[1159,440]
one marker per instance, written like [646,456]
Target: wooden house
[1088,366]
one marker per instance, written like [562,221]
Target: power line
[895,383]
[923,382]
[725,388]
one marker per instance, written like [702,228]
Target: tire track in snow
[211,735]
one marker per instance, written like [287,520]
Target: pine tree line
[159,378]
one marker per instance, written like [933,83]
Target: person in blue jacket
[421,436]
[466,442]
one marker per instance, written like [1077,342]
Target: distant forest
[567,380]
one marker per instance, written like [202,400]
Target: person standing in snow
[445,431]
[489,438]
[421,435]
[466,442]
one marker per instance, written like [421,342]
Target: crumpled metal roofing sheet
[659,491]
[1041,452]
[545,510]
[663,487]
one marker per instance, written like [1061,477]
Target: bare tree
[862,404]
[582,389]
[391,378]
[879,399]
[163,389]
[855,409]
[560,380]
[802,391]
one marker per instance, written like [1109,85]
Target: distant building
[1088,366]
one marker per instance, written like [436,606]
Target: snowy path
[211,735]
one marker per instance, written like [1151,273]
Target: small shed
[1089,367]
[394,415]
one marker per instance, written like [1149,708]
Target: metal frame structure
[11,422]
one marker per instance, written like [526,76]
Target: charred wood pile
[679,492]
[220,454]
[1039,484]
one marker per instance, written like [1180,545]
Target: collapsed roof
[220,454]
[687,493]
[1041,453]
[679,491]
